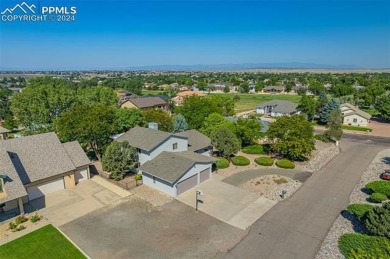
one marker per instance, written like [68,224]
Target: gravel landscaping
[345,223]
[271,186]
[321,158]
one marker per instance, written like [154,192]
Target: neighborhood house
[171,162]
[277,108]
[354,116]
[154,102]
[34,166]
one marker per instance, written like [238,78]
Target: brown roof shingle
[147,102]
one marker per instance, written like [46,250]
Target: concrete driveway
[64,206]
[230,204]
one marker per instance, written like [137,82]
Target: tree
[10,123]
[308,105]
[342,90]
[244,87]
[161,117]
[214,122]
[292,137]
[330,106]
[5,95]
[377,221]
[248,130]
[322,101]
[226,142]
[179,123]
[98,94]
[226,89]
[289,86]
[333,125]
[128,118]
[382,105]
[91,125]
[119,158]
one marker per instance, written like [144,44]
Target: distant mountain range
[202,67]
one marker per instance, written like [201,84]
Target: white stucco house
[352,115]
[171,162]
[277,108]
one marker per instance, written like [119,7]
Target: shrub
[12,226]
[222,163]
[377,197]
[20,220]
[359,209]
[375,247]
[380,187]
[138,177]
[266,161]
[35,218]
[256,149]
[240,161]
[377,221]
[286,164]
[322,138]
[280,181]
[18,228]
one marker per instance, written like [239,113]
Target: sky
[122,34]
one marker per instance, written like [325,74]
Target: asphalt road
[295,228]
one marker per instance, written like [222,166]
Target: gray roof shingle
[171,166]
[355,110]
[38,157]
[281,106]
[76,154]
[145,138]
[13,186]
[196,140]
[146,102]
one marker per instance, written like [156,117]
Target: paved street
[295,228]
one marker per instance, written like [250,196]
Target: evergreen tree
[179,123]
[226,142]
[333,125]
[322,101]
[330,106]
[377,221]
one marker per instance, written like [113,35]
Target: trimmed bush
[322,138]
[240,161]
[35,218]
[20,220]
[377,221]
[265,161]
[371,246]
[380,187]
[256,149]
[359,209]
[222,163]
[286,164]
[377,197]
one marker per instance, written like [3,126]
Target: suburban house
[34,166]
[180,96]
[273,89]
[171,162]
[277,108]
[150,102]
[352,115]
[3,133]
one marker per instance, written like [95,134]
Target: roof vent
[153,125]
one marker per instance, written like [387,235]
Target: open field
[46,242]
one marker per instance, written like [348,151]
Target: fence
[127,183]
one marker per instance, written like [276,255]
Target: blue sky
[118,34]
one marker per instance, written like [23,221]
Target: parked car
[386,175]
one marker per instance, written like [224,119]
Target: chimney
[153,125]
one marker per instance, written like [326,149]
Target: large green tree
[98,94]
[226,142]
[128,118]
[248,130]
[333,125]
[330,106]
[292,137]
[214,122]
[161,117]
[307,105]
[91,125]
[382,105]
[119,158]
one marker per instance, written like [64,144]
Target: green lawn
[152,92]
[46,242]
[348,127]
[250,101]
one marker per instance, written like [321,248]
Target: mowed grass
[251,101]
[46,242]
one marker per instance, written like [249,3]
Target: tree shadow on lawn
[358,226]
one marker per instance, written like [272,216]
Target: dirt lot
[135,229]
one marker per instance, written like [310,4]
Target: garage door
[37,191]
[81,176]
[204,175]
[187,184]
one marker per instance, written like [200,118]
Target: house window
[174,146]
[154,179]
[354,120]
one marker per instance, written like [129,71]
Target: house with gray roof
[171,162]
[34,166]
[277,108]
[352,115]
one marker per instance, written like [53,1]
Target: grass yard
[348,127]
[250,101]
[46,242]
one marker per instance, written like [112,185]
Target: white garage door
[37,191]
[81,176]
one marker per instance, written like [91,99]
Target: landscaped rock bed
[272,186]
[321,158]
[344,223]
